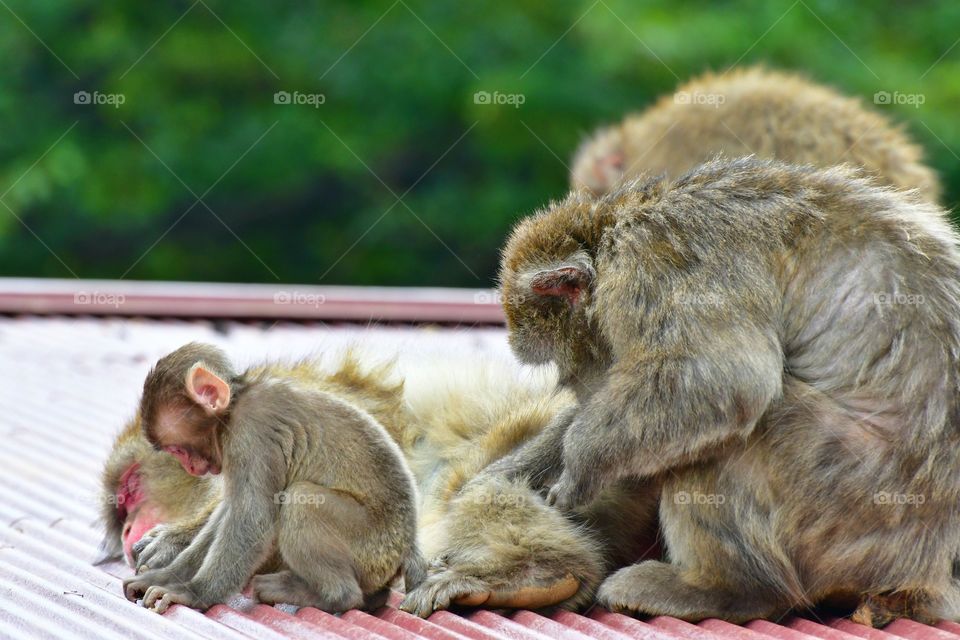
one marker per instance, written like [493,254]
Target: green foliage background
[302,194]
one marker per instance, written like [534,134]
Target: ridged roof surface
[67,385]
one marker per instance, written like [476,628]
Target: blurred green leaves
[308,192]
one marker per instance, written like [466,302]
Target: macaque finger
[134,590]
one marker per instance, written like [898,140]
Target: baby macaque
[752,111]
[780,347]
[305,473]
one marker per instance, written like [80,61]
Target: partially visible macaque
[779,346]
[773,115]
[305,473]
[492,540]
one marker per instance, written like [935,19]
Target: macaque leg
[317,530]
[661,589]
[726,562]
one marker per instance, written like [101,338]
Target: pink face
[133,508]
[192,463]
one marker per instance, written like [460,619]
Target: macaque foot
[446,588]
[159,598]
[137,586]
[287,587]
[879,610]
[659,589]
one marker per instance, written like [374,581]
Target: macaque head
[186,401]
[600,162]
[128,511]
[546,278]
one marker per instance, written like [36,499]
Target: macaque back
[752,111]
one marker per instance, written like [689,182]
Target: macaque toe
[879,610]
[439,590]
[159,599]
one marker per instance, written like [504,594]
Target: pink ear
[566,282]
[208,389]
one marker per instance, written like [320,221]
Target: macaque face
[190,437]
[134,510]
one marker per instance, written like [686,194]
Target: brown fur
[778,346]
[769,114]
[307,476]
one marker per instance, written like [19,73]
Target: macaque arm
[540,459]
[669,407]
[247,526]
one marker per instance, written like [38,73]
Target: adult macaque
[779,346]
[752,111]
[304,472]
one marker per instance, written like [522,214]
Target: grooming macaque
[778,346]
[773,115]
[305,473]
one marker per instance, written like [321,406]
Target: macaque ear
[566,282]
[207,389]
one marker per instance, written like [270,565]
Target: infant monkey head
[186,401]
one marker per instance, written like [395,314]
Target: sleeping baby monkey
[307,476]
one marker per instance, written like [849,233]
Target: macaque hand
[569,492]
[158,548]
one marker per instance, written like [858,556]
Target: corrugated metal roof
[67,385]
